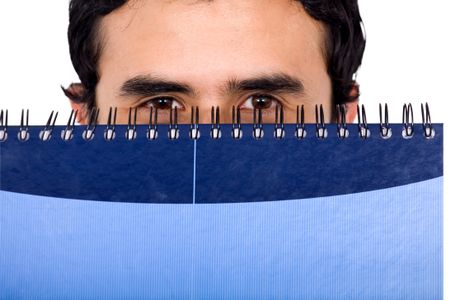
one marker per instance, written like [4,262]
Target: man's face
[184,54]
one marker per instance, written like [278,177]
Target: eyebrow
[279,82]
[148,85]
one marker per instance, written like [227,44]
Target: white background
[406,60]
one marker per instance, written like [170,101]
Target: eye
[163,103]
[262,102]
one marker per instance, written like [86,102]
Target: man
[206,53]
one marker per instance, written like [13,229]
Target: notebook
[303,211]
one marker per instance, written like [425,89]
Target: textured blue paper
[384,244]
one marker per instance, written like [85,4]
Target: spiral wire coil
[279,130]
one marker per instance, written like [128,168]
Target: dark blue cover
[216,171]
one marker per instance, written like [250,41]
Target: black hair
[344,43]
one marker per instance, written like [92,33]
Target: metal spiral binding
[67,133]
[3,126]
[342,130]
[300,131]
[110,131]
[131,133]
[321,130]
[428,130]
[385,129]
[46,134]
[23,134]
[236,131]
[216,132]
[258,130]
[194,133]
[279,132]
[408,121]
[152,132]
[89,133]
[174,132]
[363,127]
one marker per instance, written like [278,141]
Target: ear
[82,114]
[352,110]
[352,107]
[75,92]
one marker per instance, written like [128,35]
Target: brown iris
[162,103]
[262,102]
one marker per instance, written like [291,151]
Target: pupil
[261,102]
[164,103]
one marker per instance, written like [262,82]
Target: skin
[184,54]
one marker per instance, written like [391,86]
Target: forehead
[185,38]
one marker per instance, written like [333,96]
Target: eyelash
[151,103]
[248,100]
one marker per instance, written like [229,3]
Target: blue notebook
[311,218]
